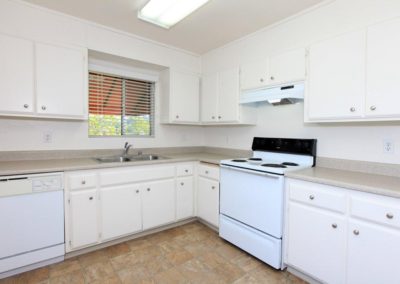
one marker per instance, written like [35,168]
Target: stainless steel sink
[130,158]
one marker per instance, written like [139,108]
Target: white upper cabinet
[220,99]
[336,78]
[61,81]
[180,95]
[254,75]
[287,67]
[383,76]
[16,75]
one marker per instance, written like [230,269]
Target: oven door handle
[251,172]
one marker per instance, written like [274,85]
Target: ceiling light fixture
[166,13]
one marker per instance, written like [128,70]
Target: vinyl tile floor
[191,253]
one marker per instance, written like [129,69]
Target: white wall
[24,20]
[359,141]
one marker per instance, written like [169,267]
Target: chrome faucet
[126,148]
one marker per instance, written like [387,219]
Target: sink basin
[135,158]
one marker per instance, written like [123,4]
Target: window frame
[127,75]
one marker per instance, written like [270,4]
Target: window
[120,106]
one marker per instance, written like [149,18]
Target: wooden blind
[120,106]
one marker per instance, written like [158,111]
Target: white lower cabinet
[208,200]
[83,219]
[184,197]
[120,211]
[158,203]
[357,245]
[316,243]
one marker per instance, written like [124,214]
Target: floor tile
[92,257]
[98,271]
[75,277]
[117,250]
[64,267]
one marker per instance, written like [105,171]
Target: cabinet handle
[219,117]
[311,197]
[272,78]
[261,80]
[182,183]
[352,109]
[177,116]
[213,187]
[356,232]
[389,215]
[372,108]
[148,189]
[91,198]
[186,171]
[206,172]
[26,105]
[334,225]
[43,107]
[83,182]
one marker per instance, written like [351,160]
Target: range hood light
[166,13]
[274,101]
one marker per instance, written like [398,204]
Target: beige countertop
[58,165]
[372,183]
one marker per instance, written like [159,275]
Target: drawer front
[137,174]
[184,170]
[209,171]
[318,195]
[385,212]
[82,181]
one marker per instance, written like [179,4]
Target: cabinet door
[16,75]
[209,97]
[158,203]
[120,211]
[185,92]
[316,243]
[61,76]
[336,78]
[228,95]
[254,74]
[184,197]
[383,76]
[288,67]
[373,254]
[84,229]
[208,200]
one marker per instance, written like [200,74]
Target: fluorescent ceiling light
[166,13]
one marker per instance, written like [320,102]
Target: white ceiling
[213,25]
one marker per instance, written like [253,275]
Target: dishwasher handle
[277,176]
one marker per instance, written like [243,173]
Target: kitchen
[195,117]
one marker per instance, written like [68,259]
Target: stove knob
[311,197]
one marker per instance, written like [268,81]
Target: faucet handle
[126,145]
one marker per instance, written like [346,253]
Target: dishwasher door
[31,222]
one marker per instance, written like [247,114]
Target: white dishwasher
[31,221]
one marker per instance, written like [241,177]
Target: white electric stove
[252,194]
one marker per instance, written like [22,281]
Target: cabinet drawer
[82,181]
[209,171]
[386,212]
[318,195]
[184,170]
[135,174]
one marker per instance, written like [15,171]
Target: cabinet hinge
[99,235]
[69,201]
[70,243]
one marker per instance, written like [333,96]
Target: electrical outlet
[47,137]
[388,146]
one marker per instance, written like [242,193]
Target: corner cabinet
[354,77]
[336,235]
[42,80]
[220,100]
[180,94]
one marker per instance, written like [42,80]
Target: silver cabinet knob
[334,225]
[311,197]
[372,108]
[177,116]
[389,215]
[91,198]
[213,187]
[137,190]
[182,183]
[261,80]
[356,232]
[148,189]
[186,171]
[272,78]
[219,117]
[206,172]
[352,109]
[26,105]
[213,117]
[83,182]
[43,107]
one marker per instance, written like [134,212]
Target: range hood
[278,95]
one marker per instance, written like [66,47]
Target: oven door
[253,198]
